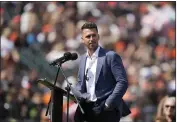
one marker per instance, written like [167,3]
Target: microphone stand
[49,103]
[68,88]
[67,112]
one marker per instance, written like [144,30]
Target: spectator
[166,109]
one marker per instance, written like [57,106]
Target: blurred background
[36,33]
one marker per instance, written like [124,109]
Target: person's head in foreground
[169,108]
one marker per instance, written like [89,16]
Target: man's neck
[90,52]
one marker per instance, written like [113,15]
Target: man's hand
[85,96]
[81,96]
[106,107]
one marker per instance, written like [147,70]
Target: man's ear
[82,40]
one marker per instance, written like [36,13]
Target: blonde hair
[160,107]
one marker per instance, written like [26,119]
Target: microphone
[66,57]
[74,56]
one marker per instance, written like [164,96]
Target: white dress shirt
[90,73]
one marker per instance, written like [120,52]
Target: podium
[57,100]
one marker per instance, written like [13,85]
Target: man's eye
[87,36]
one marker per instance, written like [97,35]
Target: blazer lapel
[82,72]
[101,57]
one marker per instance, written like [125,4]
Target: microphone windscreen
[74,56]
[67,55]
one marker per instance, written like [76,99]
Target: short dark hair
[89,25]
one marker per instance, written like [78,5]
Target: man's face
[90,38]
[169,107]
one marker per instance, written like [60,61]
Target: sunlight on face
[90,38]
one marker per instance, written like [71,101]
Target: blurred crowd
[142,33]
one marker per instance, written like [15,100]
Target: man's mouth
[91,43]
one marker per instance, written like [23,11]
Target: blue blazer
[111,80]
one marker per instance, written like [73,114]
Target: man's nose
[91,37]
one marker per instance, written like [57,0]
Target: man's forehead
[93,30]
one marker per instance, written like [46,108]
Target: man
[102,81]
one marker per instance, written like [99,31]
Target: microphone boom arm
[69,84]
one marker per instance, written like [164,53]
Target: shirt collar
[95,54]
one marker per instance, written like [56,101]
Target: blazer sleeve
[120,77]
